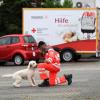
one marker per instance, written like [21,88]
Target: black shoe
[69,78]
[45,83]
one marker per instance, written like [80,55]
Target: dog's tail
[8,75]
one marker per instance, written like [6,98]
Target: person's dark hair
[41,43]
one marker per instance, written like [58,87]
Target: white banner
[57,26]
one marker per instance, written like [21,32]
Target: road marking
[81,69]
[67,93]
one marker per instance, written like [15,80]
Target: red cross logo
[33,30]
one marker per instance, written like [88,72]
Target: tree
[67,4]
[48,4]
[57,4]
[11,15]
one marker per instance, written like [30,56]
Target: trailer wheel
[67,55]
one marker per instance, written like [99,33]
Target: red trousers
[53,80]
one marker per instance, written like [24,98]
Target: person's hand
[47,61]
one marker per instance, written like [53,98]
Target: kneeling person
[51,64]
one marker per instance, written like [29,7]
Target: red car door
[5,48]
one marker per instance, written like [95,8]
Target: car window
[5,40]
[14,39]
[29,39]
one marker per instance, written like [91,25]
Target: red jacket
[53,57]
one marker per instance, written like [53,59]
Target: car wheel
[18,60]
[67,56]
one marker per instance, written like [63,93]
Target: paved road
[86,84]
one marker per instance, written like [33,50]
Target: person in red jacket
[52,65]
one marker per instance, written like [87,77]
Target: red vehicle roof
[16,35]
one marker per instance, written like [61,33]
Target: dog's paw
[16,85]
[34,85]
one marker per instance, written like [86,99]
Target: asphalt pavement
[85,86]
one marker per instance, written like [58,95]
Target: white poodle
[26,74]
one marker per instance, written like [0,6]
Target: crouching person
[52,65]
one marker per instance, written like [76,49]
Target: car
[18,48]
